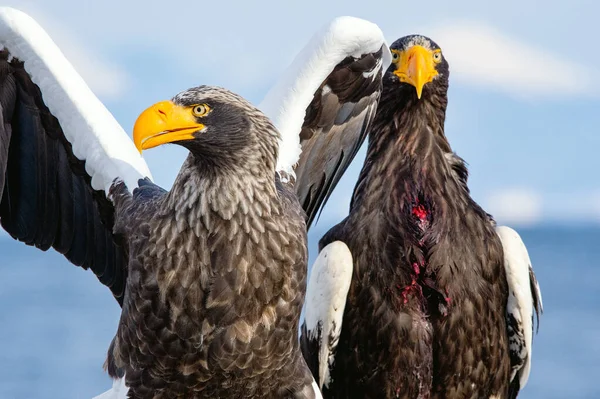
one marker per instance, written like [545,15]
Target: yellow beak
[162,123]
[416,67]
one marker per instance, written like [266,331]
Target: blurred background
[524,111]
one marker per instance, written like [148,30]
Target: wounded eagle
[416,294]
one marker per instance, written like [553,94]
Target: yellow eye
[395,57]
[437,56]
[201,110]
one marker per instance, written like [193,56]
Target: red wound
[416,268]
[420,212]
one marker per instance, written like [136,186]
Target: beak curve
[416,67]
[162,123]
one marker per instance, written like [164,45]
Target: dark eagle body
[425,314]
[216,270]
[246,271]
[211,275]
[430,288]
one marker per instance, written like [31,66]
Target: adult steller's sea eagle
[211,275]
[216,266]
[416,294]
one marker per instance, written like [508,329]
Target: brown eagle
[416,294]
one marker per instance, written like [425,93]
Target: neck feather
[407,152]
[202,194]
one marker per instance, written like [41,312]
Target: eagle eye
[200,110]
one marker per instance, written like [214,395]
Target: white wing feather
[325,303]
[316,390]
[91,129]
[520,299]
[118,391]
[287,101]
[96,137]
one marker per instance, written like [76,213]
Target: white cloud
[571,206]
[480,55]
[516,206]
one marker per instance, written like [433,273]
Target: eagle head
[418,65]
[215,125]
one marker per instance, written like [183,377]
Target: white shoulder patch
[287,101]
[520,306]
[318,394]
[94,133]
[326,294]
[118,391]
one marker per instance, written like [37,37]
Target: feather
[524,297]
[118,391]
[323,106]
[95,135]
[325,303]
[60,151]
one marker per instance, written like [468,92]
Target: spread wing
[524,297]
[60,151]
[325,303]
[324,104]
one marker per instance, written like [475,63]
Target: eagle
[211,275]
[417,293]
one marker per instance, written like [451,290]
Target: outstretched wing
[60,151]
[324,104]
[325,303]
[524,297]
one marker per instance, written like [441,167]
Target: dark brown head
[418,68]
[218,127]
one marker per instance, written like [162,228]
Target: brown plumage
[217,267]
[425,315]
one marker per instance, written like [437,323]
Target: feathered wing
[60,151]
[324,104]
[324,309]
[118,391]
[524,298]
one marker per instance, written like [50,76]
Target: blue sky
[524,95]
